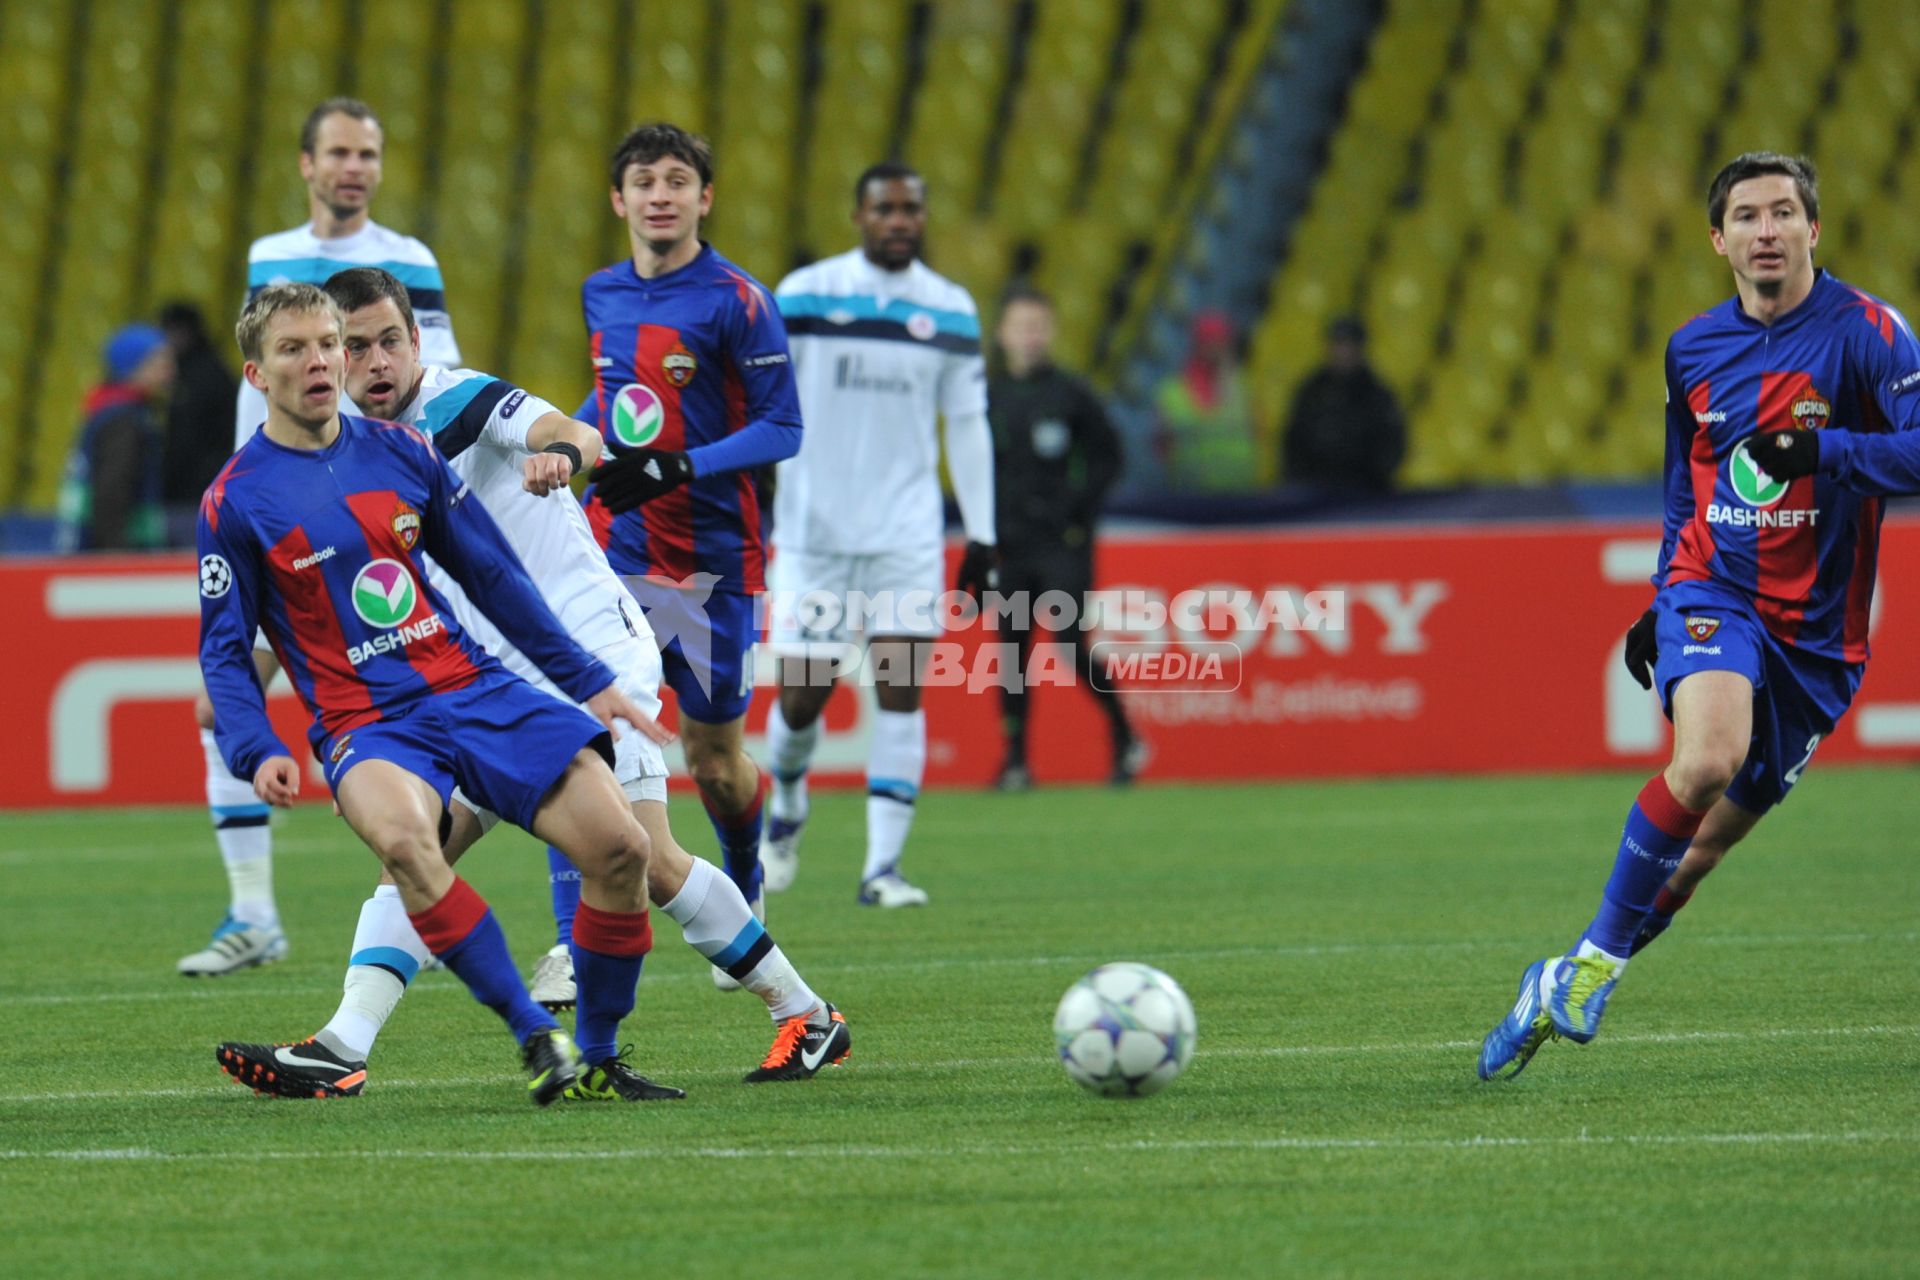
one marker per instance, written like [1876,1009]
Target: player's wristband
[571,454]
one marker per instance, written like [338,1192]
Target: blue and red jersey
[322,549]
[692,361]
[1842,363]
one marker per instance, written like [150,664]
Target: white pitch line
[213,989]
[1476,1142]
[1039,1057]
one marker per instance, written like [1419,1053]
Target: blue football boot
[1518,1036]
[1581,986]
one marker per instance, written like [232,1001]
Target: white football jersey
[877,356]
[300,257]
[479,423]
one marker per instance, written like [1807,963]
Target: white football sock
[896,762]
[718,924]
[386,954]
[789,752]
[240,826]
[1588,948]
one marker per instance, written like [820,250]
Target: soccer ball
[1124,1030]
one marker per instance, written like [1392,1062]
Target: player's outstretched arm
[561,449]
[230,596]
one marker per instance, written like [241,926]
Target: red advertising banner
[1240,655]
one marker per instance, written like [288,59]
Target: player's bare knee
[410,853]
[1699,778]
[713,773]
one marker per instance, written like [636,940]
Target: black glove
[1784,455]
[637,476]
[1643,650]
[979,570]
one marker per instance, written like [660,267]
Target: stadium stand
[1514,199]
[1049,133]
[1510,196]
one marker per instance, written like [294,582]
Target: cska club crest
[406,525]
[1702,629]
[1812,411]
[679,365]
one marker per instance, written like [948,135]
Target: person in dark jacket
[200,411]
[110,497]
[1056,455]
[1345,430]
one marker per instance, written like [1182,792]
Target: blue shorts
[1797,697]
[502,740]
[706,649]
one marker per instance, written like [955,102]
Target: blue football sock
[739,836]
[461,930]
[1657,833]
[563,881]
[608,949]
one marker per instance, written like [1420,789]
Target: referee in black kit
[1055,456]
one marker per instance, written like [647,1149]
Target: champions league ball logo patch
[216,577]
[638,415]
[383,593]
[406,525]
[679,365]
[1701,630]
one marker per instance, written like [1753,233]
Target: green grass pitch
[1752,1107]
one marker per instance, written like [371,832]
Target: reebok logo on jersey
[1907,383]
[511,405]
[1706,417]
[307,562]
[761,362]
[1702,629]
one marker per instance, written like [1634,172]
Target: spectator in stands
[1055,455]
[1206,419]
[110,498]
[1345,430]
[199,414]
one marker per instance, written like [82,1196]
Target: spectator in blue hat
[110,498]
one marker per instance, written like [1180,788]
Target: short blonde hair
[251,332]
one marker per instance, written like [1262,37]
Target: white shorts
[825,598]
[637,762]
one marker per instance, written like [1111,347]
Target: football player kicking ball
[513,449]
[316,532]
[1791,410]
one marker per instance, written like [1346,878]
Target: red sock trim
[613,933]
[1666,813]
[448,922]
[747,816]
[1666,902]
